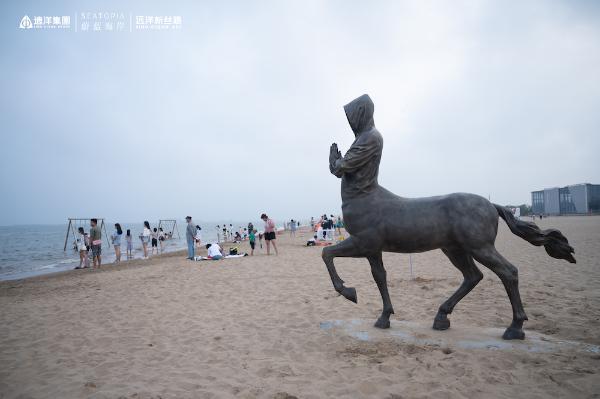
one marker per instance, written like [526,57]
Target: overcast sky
[233,115]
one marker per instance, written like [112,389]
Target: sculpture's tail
[554,242]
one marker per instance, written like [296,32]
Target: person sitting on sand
[214,251]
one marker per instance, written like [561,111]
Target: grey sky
[234,114]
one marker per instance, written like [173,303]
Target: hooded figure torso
[360,165]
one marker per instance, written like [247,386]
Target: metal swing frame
[174,221]
[71,228]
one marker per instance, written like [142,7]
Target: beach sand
[252,327]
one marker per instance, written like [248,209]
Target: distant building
[576,199]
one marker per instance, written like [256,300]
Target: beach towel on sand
[240,255]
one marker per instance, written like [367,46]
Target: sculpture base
[466,337]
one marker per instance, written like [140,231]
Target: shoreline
[108,267]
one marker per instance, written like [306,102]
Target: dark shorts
[270,236]
[252,244]
[154,242]
[96,250]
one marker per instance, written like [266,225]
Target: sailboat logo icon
[25,23]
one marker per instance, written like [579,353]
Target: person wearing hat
[190,235]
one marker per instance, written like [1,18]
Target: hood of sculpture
[360,114]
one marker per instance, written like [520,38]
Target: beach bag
[233,251]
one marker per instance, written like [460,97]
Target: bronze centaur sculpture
[463,226]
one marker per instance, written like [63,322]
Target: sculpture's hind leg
[509,275]
[472,275]
[346,248]
[379,274]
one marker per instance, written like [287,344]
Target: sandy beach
[252,327]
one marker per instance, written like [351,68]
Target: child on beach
[252,241]
[82,248]
[129,238]
[161,239]
[155,240]
[198,237]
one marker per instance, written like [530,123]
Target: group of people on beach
[153,240]
[326,227]
[215,252]
[85,243]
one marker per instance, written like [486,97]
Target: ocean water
[31,250]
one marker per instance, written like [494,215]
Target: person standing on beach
[154,241]
[161,239]
[198,237]
[145,237]
[129,239]
[339,224]
[82,248]
[293,227]
[96,240]
[116,240]
[190,234]
[270,235]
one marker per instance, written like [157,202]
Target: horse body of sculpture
[463,226]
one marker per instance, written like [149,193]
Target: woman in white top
[82,248]
[214,251]
[146,233]
[161,239]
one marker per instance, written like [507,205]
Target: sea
[32,250]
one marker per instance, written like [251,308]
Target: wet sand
[257,327]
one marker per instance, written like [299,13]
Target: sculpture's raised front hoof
[382,323]
[513,333]
[349,293]
[441,323]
